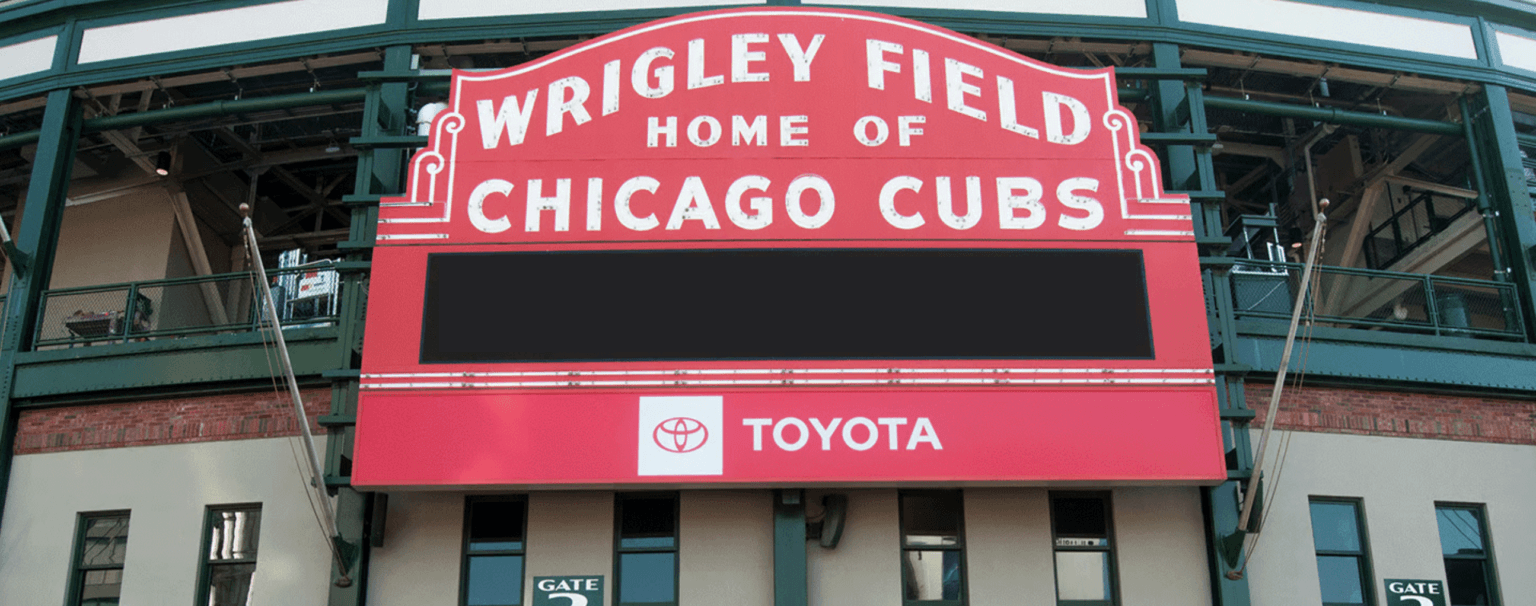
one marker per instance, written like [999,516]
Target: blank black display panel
[785,304]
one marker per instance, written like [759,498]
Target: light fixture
[1294,235]
[332,147]
[163,163]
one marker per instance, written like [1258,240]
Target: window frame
[465,556]
[1367,570]
[205,566]
[1490,566]
[77,569]
[619,549]
[958,547]
[1107,497]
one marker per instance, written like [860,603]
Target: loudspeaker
[376,520]
[835,507]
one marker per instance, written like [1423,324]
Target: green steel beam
[386,115]
[789,561]
[215,109]
[351,95]
[1374,363]
[1511,199]
[1496,243]
[168,363]
[37,237]
[1179,107]
[203,110]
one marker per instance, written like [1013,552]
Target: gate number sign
[1415,592]
[568,591]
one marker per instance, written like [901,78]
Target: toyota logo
[680,434]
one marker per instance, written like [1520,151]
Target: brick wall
[1399,414]
[174,421]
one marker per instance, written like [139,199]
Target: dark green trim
[1363,536]
[143,14]
[28,37]
[675,549]
[1219,506]
[1449,344]
[379,171]
[1514,12]
[790,586]
[1471,22]
[1494,122]
[205,566]
[465,555]
[168,363]
[1490,563]
[959,546]
[1374,363]
[37,237]
[407,30]
[1109,533]
[72,594]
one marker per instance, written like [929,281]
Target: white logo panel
[682,436]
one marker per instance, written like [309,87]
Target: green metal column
[1494,128]
[1179,108]
[36,238]
[789,569]
[379,172]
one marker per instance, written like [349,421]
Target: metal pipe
[202,110]
[1285,363]
[223,108]
[1335,116]
[19,139]
[317,472]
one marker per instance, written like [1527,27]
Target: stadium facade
[674,303]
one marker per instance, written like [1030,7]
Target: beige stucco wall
[570,534]
[1399,480]
[865,568]
[1160,546]
[419,562]
[725,548]
[1008,546]
[167,489]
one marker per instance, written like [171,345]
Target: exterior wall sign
[568,591]
[786,245]
[1415,592]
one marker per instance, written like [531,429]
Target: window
[932,547]
[1343,566]
[493,551]
[101,545]
[1082,538]
[645,562]
[230,537]
[1468,557]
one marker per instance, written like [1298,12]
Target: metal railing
[1381,300]
[1415,223]
[183,307]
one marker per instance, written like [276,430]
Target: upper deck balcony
[151,267]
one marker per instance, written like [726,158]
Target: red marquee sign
[785,246]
